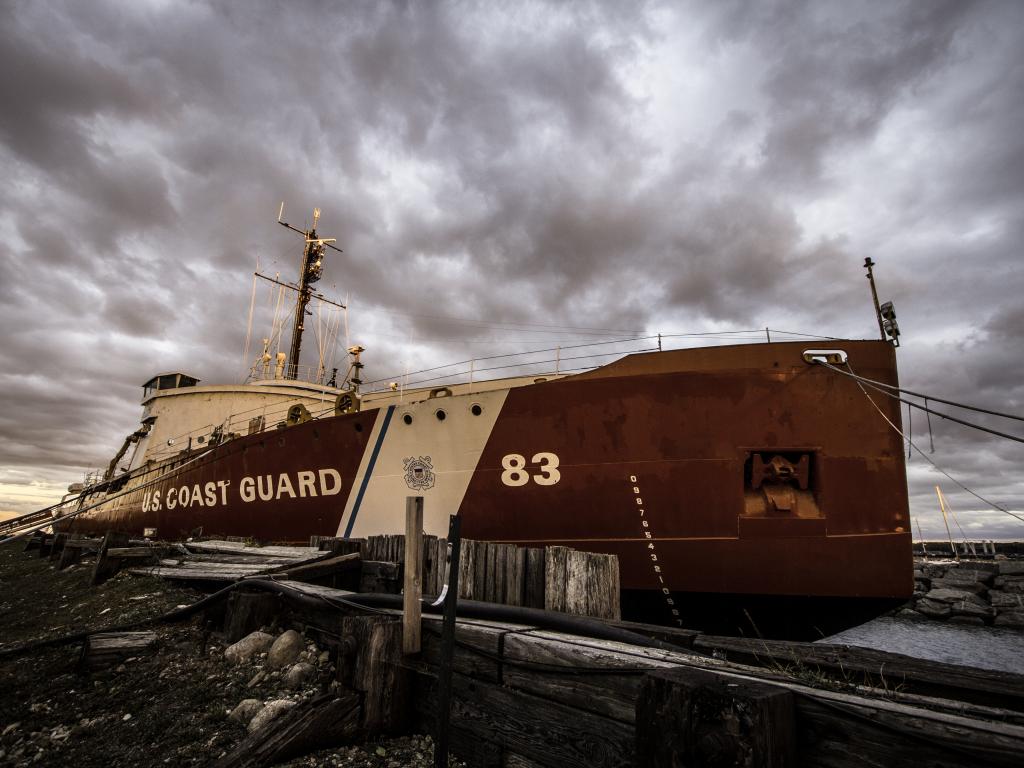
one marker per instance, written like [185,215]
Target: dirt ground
[168,706]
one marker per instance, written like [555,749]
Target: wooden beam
[328,720]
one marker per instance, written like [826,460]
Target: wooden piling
[413,574]
[697,717]
[106,567]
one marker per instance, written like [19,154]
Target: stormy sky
[508,177]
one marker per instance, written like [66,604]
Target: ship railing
[250,421]
[572,358]
[556,360]
[309,374]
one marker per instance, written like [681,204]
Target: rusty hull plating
[738,470]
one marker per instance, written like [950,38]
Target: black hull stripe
[369,470]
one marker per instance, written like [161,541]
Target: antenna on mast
[312,269]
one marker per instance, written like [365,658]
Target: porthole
[359,427]
[407,418]
[476,410]
[441,415]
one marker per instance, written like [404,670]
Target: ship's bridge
[164,381]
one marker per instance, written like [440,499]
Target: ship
[743,488]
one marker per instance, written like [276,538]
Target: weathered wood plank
[877,668]
[241,548]
[329,720]
[555,563]
[376,669]
[533,581]
[695,717]
[545,732]
[104,649]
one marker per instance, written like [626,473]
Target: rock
[909,613]
[1006,600]
[967,586]
[1011,583]
[1011,568]
[285,650]
[954,595]
[269,711]
[935,609]
[258,678]
[245,711]
[966,576]
[1013,619]
[248,646]
[298,674]
[324,657]
[933,572]
[965,608]
[974,621]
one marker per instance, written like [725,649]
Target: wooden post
[413,574]
[247,612]
[690,716]
[58,545]
[105,567]
[444,677]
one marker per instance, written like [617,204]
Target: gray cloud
[543,167]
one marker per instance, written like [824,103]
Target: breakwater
[975,592]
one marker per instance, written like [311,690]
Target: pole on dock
[411,623]
[444,677]
[949,536]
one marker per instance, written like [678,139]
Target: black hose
[559,622]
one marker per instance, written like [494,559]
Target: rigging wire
[248,328]
[879,387]
[923,454]
[882,385]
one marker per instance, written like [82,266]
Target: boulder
[245,711]
[934,571]
[1011,619]
[973,621]
[966,608]
[968,586]
[935,609]
[285,650]
[954,595]
[1006,600]
[1011,568]
[298,675]
[249,646]
[967,576]
[269,711]
[1010,583]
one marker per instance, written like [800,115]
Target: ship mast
[312,269]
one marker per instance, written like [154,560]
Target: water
[984,647]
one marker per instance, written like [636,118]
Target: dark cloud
[545,171]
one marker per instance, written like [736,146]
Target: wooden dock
[544,688]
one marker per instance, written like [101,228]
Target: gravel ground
[168,706]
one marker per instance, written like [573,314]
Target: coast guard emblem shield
[419,475]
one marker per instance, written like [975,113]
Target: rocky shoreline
[972,592]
